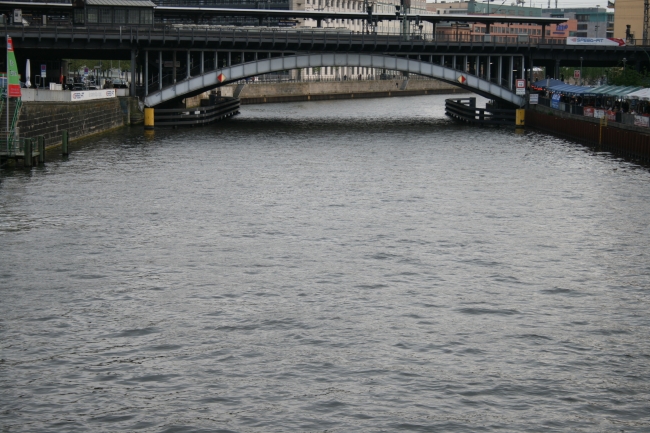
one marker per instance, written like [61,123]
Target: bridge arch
[201,83]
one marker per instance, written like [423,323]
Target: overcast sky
[544,3]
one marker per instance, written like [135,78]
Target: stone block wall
[341,87]
[80,119]
[259,93]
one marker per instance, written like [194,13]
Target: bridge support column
[160,66]
[500,70]
[511,71]
[202,62]
[489,69]
[174,66]
[465,67]
[477,67]
[453,62]
[229,58]
[556,71]
[146,73]
[530,69]
[188,65]
[216,61]
[133,71]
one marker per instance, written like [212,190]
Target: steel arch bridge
[209,80]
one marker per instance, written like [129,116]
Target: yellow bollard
[521,114]
[148,118]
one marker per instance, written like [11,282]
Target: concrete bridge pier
[134,53]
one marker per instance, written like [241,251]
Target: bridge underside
[492,77]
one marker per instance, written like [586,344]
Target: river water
[344,266]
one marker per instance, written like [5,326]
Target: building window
[79,17]
[92,15]
[582,26]
[134,16]
[105,16]
[146,16]
[120,16]
[581,34]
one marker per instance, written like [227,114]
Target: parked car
[77,84]
[119,83]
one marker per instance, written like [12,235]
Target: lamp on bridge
[581,71]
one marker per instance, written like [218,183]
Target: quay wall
[260,93]
[81,119]
[625,140]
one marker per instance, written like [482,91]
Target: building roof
[551,82]
[124,3]
[611,90]
[643,94]
[570,89]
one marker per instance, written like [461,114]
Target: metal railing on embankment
[465,109]
[226,107]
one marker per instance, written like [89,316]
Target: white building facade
[416,7]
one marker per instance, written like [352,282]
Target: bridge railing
[304,34]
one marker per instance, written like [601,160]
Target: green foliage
[618,76]
[590,76]
[627,77]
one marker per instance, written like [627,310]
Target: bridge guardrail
[200,33]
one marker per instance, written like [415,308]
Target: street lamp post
[581,71]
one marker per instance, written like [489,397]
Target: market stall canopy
[551,82]
[642,94]
[614,91]
[570,89]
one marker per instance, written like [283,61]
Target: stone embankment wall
[259,93]
[81,119]
[625,140]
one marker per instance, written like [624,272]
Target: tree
[626,77]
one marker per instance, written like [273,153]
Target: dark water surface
[334,266]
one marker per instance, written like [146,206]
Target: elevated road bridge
[180,61]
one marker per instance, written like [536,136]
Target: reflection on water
[333,266]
